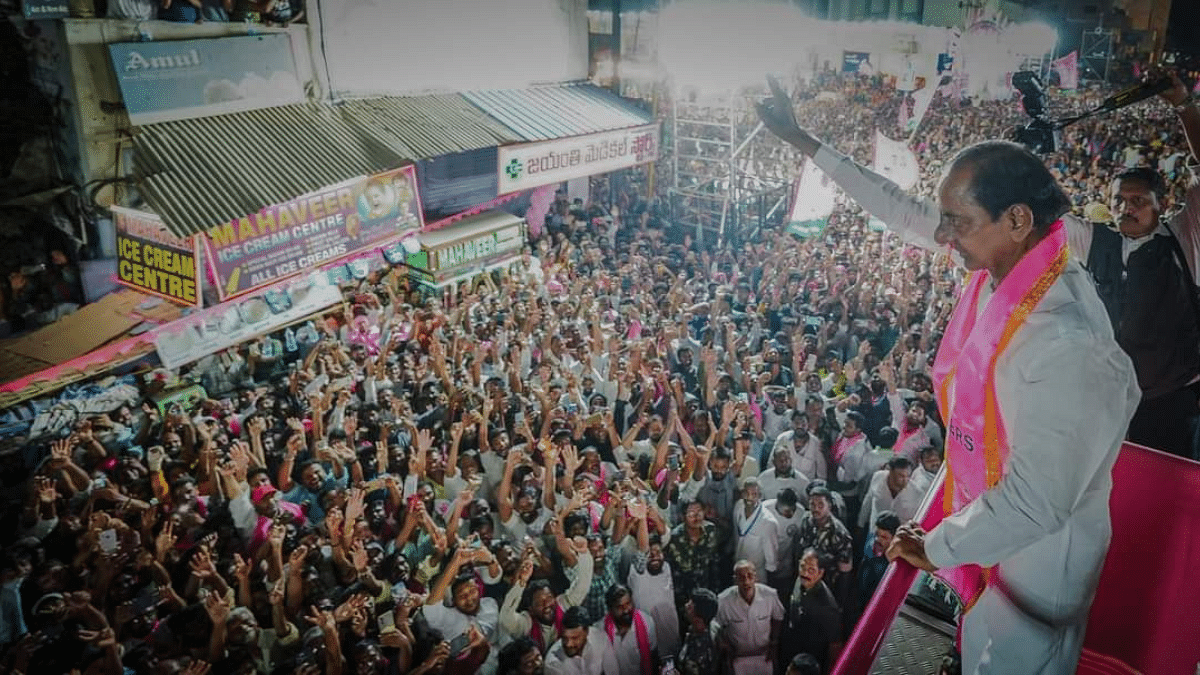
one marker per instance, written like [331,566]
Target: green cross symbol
[513,169]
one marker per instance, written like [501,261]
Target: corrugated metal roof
[200,172]
[559,111]
[421,127]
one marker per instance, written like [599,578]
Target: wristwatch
[1187,102]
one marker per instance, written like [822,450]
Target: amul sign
[530,165]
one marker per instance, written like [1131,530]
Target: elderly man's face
[968,228]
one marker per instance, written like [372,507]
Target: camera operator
[1145,273]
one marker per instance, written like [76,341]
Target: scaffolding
[717,192]
[1095,53]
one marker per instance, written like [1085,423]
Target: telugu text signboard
[152,260]
[286,238]
[531,165]
[181,79]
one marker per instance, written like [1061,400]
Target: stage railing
[1143,618]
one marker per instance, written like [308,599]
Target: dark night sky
[1183,33]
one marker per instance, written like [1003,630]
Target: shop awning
[200,172]
[94,338]
[559,111]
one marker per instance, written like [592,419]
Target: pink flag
[539,206]
[1068,70]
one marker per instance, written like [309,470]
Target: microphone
[1132,95]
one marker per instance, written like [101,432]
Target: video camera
[1043,134]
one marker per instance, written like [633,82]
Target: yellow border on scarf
[991,410]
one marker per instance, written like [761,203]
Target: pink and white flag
[1068,70]
[896,161]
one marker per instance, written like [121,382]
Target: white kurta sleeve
[1063,414]
[581,583]
[513,622]
[771,544]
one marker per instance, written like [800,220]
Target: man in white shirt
[891,490]
[580,649]
[788,513]
[467,607]
[755,530]
[782,474]
[628,637]
[925,472]
[808,457]
[749,616]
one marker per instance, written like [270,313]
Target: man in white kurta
[654,593]
[543,606]
[755,529]
[926,472]
[749,616]
[621,654]
[1066,393]
[579,650]
[891,489]
[808,457]
[788,513]
[782,474]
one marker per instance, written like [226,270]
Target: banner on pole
[812,202]
[895,161]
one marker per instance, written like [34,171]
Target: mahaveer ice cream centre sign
[283,239]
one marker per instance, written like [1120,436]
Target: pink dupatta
[643,639]
[976,442]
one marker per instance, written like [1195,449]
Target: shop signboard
[332,223]
[530,165]
[181,79]
[229,323]
[152,260]
[471,246]
[46,9]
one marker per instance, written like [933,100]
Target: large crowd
[575,466]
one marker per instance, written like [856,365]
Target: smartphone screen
[387,622]
[108,541]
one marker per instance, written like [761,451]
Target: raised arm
[913,218]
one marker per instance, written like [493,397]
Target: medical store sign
[531,165]
[152,260]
